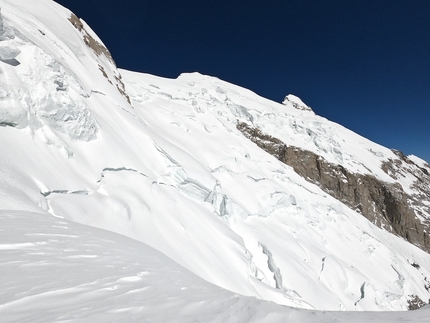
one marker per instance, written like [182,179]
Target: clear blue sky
[362,63]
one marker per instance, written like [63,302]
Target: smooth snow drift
[54,270]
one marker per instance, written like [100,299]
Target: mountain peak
[296,102]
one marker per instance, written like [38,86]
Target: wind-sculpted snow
[64,271]
[55,270]
[164,163]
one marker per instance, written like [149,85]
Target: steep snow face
[48,86]
[39,93]
[279,215]
[162,161]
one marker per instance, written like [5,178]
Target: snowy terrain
[218,227]
[104,277]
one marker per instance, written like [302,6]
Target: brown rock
[384,204]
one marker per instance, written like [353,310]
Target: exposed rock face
[386,205]
[415,302]
[92,43]
[100,50]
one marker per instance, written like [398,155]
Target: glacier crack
[80,192]
[322,266]
[277,272]
[118,169]
[401,280]
[362,294]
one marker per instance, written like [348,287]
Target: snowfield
[130,197]
[54,270]
[65,271]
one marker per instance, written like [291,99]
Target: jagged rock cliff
[386,205]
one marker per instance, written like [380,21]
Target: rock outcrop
[386,205]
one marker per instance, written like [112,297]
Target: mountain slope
[102,276]
[162,161]
[385,203]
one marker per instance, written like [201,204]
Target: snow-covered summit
[296,102]
[164,161]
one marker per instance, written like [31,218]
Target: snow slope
[101,276]
[161,161]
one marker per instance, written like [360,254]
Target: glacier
[126,195]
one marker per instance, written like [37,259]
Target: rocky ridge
[386,205]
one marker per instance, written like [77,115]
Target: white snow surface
[54,270]
[218,227]
[418,161]
[296,102]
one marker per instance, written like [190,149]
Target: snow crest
[296,102]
